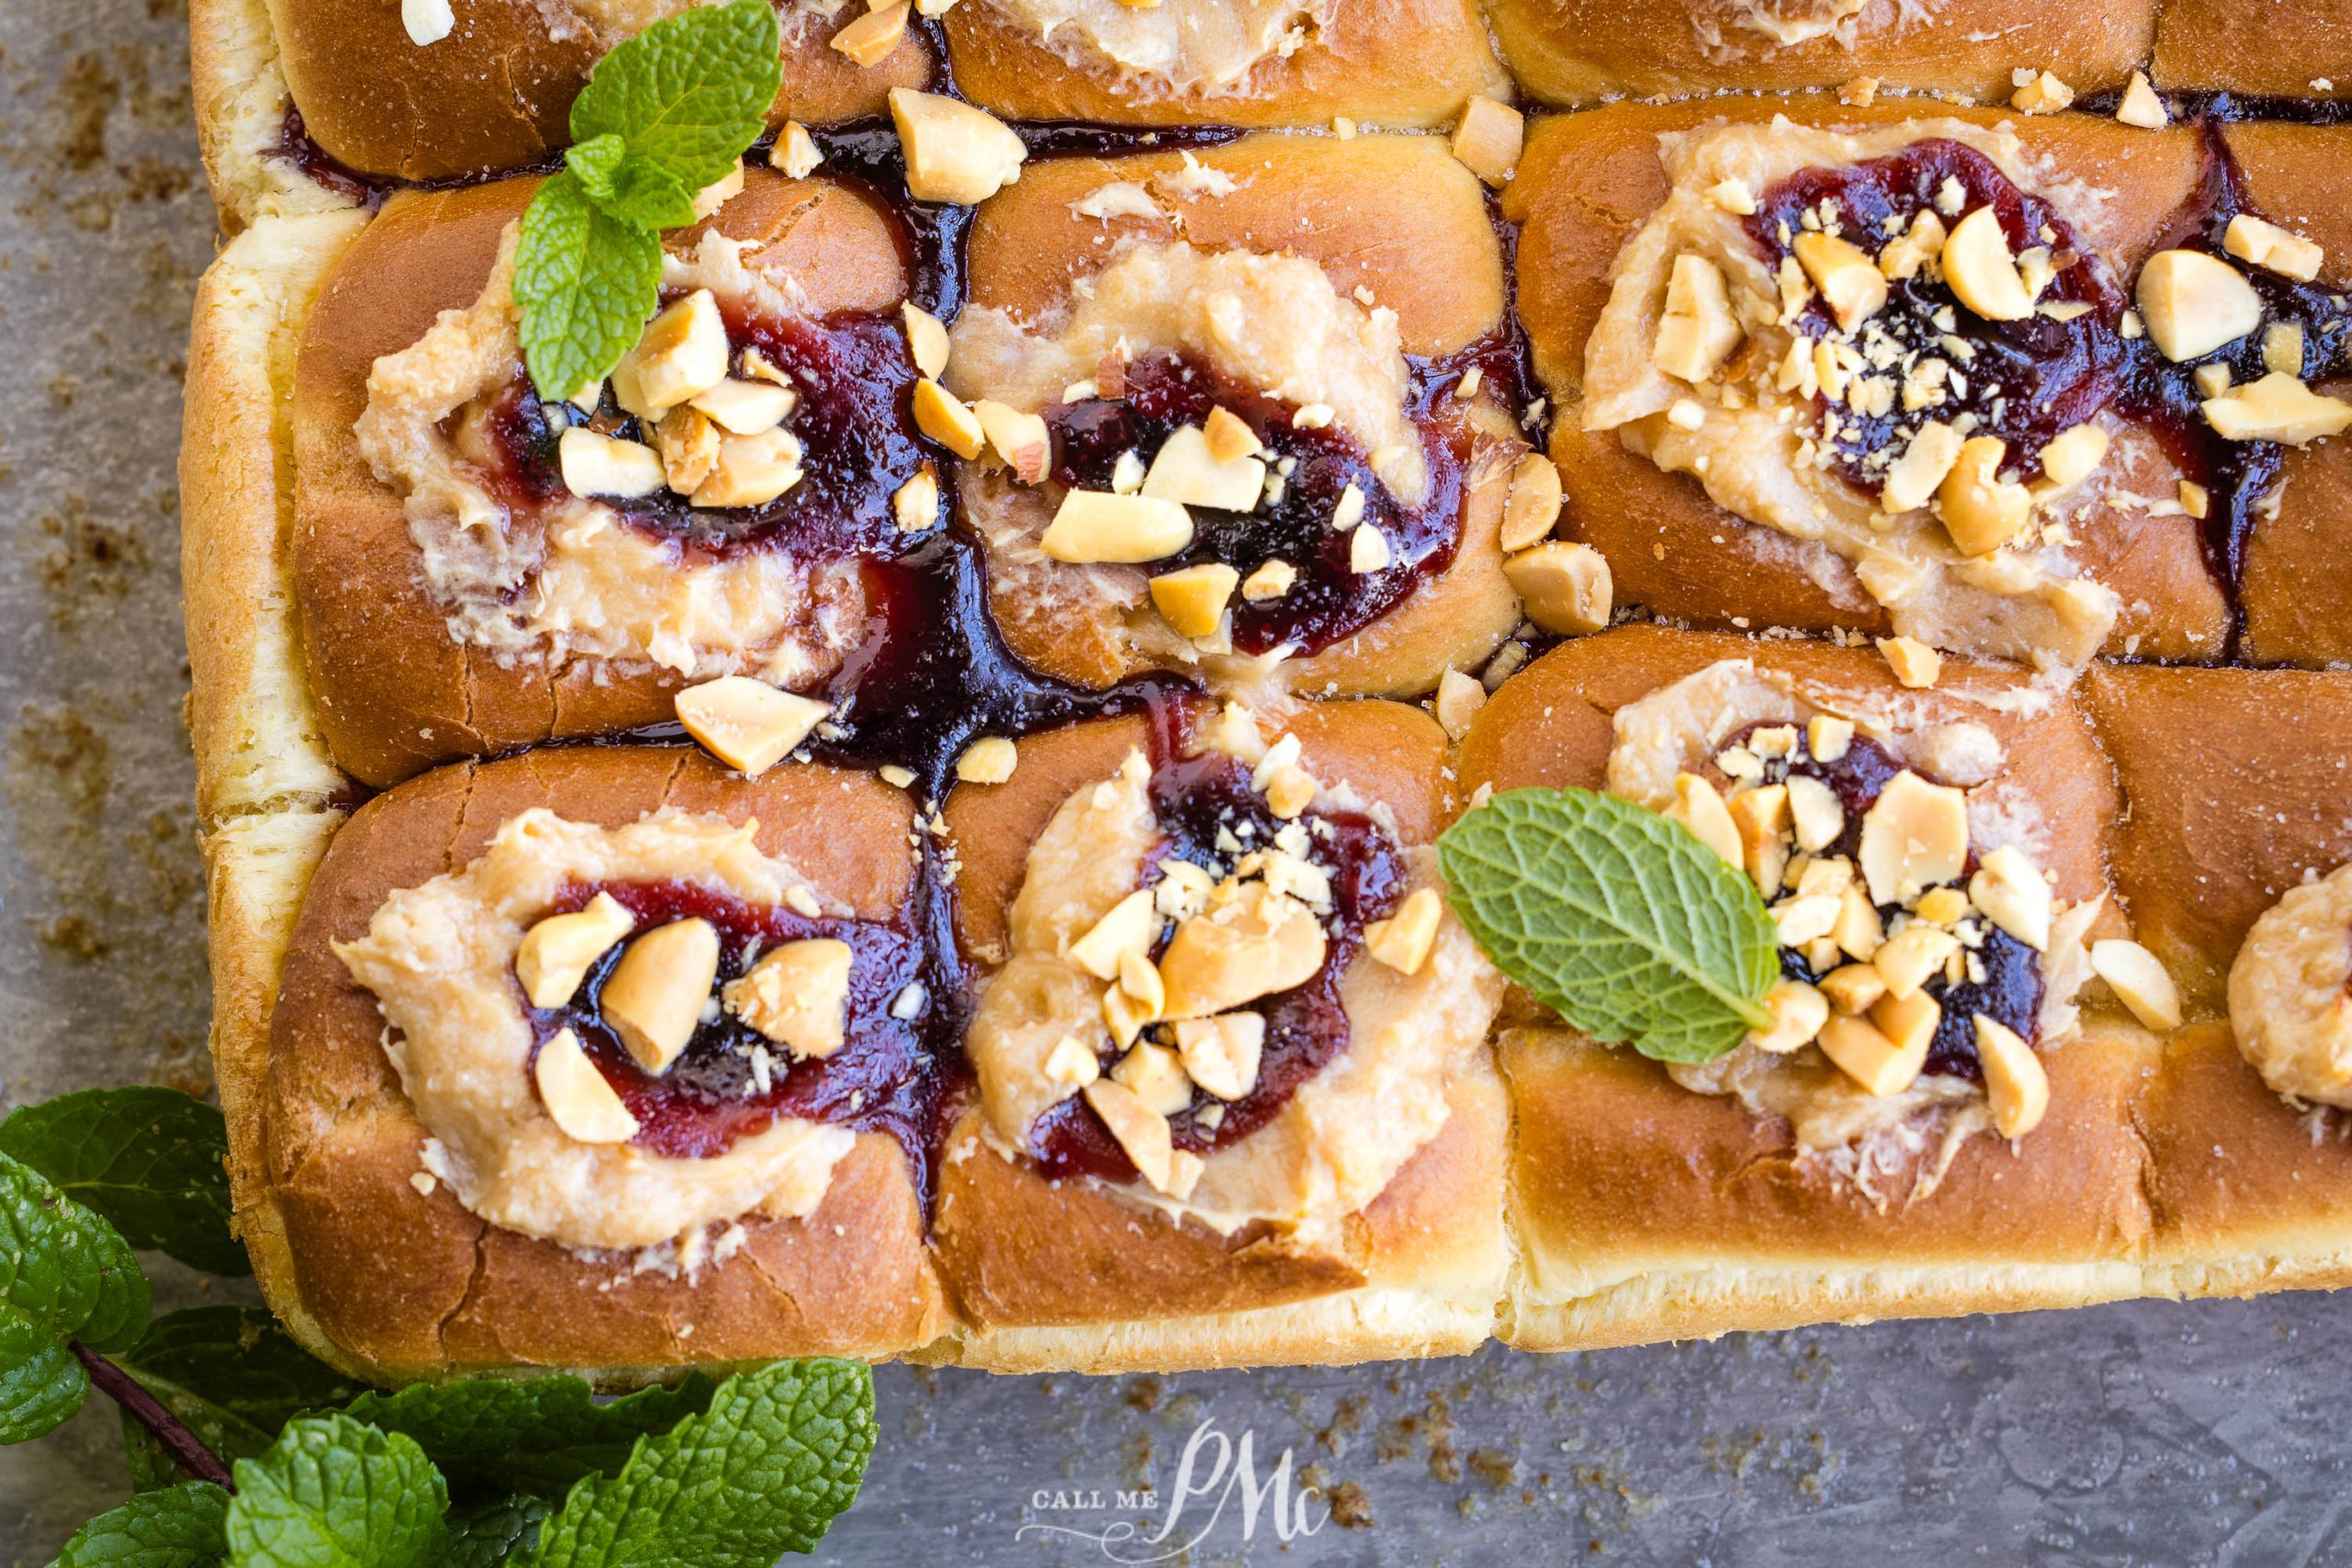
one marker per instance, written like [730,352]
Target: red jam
[2009,989]
[884,1077]
[2026,380]
[1329,600]
[854,419]
[1199,801]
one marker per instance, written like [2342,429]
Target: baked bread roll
[459,595]
[495,92]
[2229,858]
[1308,1171]
[1334,300]
[2253,51]
[1724,495]
[1392,62]
[411,1094]
[1904,1166]
[1575,51]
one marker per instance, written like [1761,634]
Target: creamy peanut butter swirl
[2290,992]
[440,959]
[566,580]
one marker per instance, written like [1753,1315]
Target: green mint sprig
[665,114]
[232,1376]
[182,1527]
[65,1278]
[1617,919]
[539,1436]
[335,1493]
[150,1160]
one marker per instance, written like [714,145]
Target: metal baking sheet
[2143,1433]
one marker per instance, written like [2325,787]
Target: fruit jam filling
[1925,355]
[1211,818]
[1310,474]
[731,1080]
[852,443]
[1999,975]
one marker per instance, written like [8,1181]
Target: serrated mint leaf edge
[643,89]
[569,256]
[82,1143]
[1687,862]
[296,1495]
[179,1525]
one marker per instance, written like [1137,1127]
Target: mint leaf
[180,1528]
[64,1274]
[689,94]
[150,1159]
[537,1436]
[585,283]
[1618,920]
[762,1472]
[490,1533]
[232,1375]
[41,1385]
[333,1493]
[594,161]
[632,190]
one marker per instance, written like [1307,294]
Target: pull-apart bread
[1330,308]
[477,571]
[1575,53]
[1233,1096]
[912,816]
[2012,386]
[2298,53]
[1947,1129]
[601,1058]
[2238,825]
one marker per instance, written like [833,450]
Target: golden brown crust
[398,1284]
[1643,1210]
[1575,51]
[2298,569]
[1021,1252]
[1065,1276]
[2297,52]
[1588,181]
[1392,62]
[1396,215]
[396,692]
[2233,790]
[2250,1192]
[496,93]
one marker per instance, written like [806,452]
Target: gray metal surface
[2144,1434]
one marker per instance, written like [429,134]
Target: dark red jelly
[1329,600]
[1199,801]
[2010,990]
[2239,477]
[854,421]
[2027,380]
[884,1077]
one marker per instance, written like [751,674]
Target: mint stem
[187,1450]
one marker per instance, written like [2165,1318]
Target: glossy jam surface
[882,1078]
[1203,802]
[2011,985]
[2025,380]
[2239,476]
[854,421]
[1328,601]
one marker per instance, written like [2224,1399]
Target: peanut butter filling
[1707,363]
[443,960]
[1209,47]
[2290,992]
[564,579]
[1416,1000]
